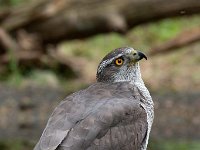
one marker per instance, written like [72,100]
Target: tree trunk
[54,20]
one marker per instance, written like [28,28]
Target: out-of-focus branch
[183,39]
[7,41]
[54,20]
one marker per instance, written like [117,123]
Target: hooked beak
[141,55]
[136,56]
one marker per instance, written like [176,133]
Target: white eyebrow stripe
[107,61]
[104,63]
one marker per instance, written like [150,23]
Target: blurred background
[51,48]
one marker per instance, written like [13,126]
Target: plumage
[108,115]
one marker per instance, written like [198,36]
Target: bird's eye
[119,61]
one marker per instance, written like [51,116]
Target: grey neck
[137,78]
[137,81]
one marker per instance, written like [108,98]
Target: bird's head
[120,64]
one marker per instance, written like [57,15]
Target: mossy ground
[153,145]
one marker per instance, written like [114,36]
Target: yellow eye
[119,61]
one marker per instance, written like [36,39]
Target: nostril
[134,54]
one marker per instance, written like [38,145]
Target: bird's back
[101,117]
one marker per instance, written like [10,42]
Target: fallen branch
[55,20]
[7,41]
[21,56]
[4,13]
[75,63]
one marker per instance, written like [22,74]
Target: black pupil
[119,61]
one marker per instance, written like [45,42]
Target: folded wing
[96,122]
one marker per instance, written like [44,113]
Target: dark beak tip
[142,55]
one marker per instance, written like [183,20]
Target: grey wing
[128,133]
[64,117]
[113,124]
[77,126]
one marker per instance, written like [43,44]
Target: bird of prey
[115,113]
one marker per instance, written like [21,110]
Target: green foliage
[15,2]
[165,30]
[15,145]
[12,2]
[158,32]
[15,76]
[153,145]
[98,45]
[174,145]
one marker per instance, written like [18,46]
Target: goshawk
[115,113]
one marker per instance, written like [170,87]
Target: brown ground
[24,112]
